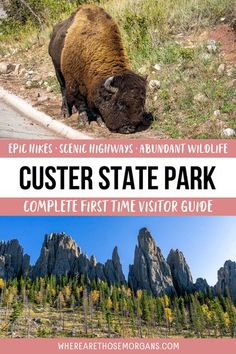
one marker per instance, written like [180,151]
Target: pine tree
[209,318]
[197,316]
[16,312]
[169,317]
[232,317]
[108,314]
[219,313]
[60,301]
[85,310]
[159,311]
[177,316]
[184,316]
[2,288]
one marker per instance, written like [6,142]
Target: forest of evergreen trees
[50,307]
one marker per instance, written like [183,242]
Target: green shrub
[39,11]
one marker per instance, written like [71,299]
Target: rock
[201,285]
[230,72]
[6,68]
[31,84]
[157,67]
[2,267]
[49,89]
[50,74]
[143,70]
[26,265]
[216,113]
[212,46]
[182,277]
[17,69]
[201,98]
[82,265]
[100,272]
[37,78]
[113,269]
[221,69]
[154,84]
[14,51]
[13,262]
[226,284]
[92,268]
[228,132]
[58,256]
[150,271]
[11,68]
[206,56]
[42,99]
[231,83]
[28,84]
[89,268]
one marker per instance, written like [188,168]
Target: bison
[94,73]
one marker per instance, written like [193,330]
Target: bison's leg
[67,105]
[97,117]
[82,108]
[100,122]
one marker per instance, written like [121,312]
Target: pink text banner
[109,346]
[117,207]
[118,148]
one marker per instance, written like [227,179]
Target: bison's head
[121,100]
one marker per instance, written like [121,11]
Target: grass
[155,32]
[48,322]
[145,24]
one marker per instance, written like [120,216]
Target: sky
[207,242]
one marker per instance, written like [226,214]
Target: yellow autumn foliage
[2,283]
[169,315]
[165,301]
[226,319]
[95,296]
[109,303]
[139,294]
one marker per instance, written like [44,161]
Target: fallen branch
[24,3]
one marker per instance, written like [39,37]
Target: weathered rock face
[113,269]
[2,267]
[89,268]
[110,272]
[58,255]
[226,284]
[201,285]
[13,262]
[82,265]
[181,274]
[150,271]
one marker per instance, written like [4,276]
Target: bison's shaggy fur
[93,70]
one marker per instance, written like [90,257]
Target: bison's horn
[108,86]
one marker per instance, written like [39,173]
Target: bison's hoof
[74,110]
[83,118]
[65,113]
[148,119]
[128,129]
[100,122]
